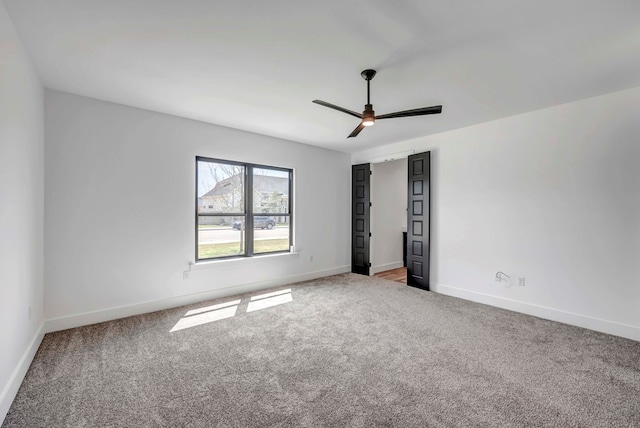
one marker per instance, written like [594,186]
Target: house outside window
[242,209]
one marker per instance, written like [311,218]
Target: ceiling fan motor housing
[368,115]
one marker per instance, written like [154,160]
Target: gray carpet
[342,351]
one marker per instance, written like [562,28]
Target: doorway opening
[391,209]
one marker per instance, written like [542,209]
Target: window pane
[271,234]
[270,191]
[220,236]
[220,187]
[223,205]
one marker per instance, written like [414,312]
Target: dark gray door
[360,208]
[418,216]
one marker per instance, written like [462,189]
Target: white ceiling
[257,65]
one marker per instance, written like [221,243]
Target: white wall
[388,213]
[119,219]
[21,211]
[552,195]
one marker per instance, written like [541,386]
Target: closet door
[418,213]
[360,226]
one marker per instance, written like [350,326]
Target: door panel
[360,226]
[418,219]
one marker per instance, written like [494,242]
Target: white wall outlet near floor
[521,281]
[310,259]
[185,274]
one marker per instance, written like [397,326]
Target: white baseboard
[604,326]
[94,317]
[11,388]
[388,266]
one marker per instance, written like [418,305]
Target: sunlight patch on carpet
[206,315]
[220,311]
[268,300]
[212,308]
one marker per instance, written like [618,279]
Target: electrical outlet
[29,312]
[310,259]
[521,281]
[185,274]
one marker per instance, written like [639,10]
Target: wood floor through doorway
[397,275]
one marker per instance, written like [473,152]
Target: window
[242,209]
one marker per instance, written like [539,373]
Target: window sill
[238,261]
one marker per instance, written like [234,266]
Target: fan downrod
[368,74]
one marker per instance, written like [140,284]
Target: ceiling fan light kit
[368,116]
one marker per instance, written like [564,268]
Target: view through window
[242,209]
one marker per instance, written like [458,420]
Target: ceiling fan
[369,117]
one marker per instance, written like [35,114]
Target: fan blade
[356,131]
[415,112]
[335,107]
